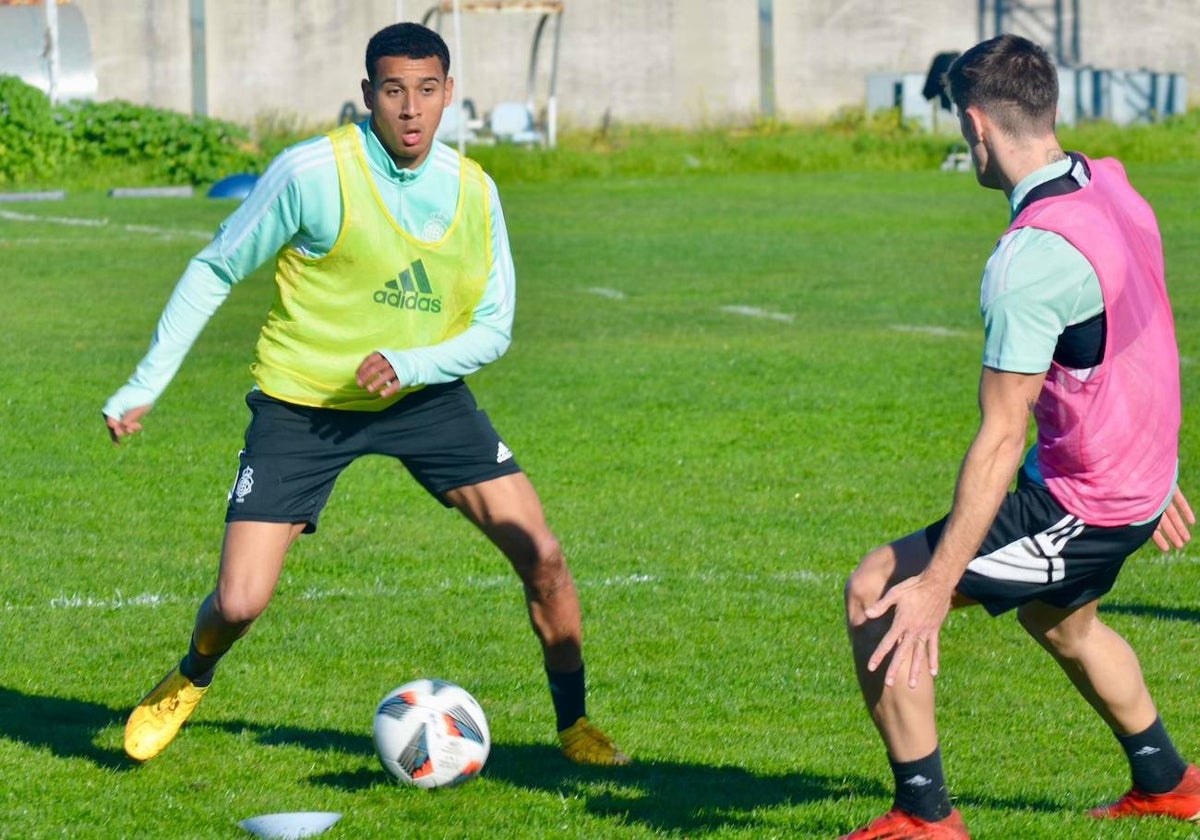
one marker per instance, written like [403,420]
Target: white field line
[611,294]
[77,221]
[153,600]
[381,589]
[944,332]
[755,312]
[115,601]
[1172,558]
[57,220]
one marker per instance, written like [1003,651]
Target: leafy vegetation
[33,142]
[851,141]
[80,143]
[171,147]
[105,144]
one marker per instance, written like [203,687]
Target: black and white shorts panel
[294,454]
[1036,551]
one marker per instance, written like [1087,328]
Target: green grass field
[726,388]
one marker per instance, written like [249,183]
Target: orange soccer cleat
[1182,803]
[900,825]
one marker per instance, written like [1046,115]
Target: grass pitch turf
[726,389]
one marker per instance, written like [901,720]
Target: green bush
[850,141]
[169,146]
[33,142]
[104,144]
[80,141]
[1170,140]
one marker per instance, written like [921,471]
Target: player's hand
[129,422]
[376,375]
[920,610]
[1172,530]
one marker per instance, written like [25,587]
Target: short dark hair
[410,40]
[1012,79]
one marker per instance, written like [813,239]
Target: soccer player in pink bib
[1079,335]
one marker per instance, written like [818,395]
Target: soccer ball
[431,733]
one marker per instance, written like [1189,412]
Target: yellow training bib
[378,288]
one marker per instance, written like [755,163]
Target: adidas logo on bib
[410,289]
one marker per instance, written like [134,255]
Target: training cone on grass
[291,825]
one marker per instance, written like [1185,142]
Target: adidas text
[410,289]
[400,300]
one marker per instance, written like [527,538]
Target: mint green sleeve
[1036,284]
[490,332]
[198,294]
[266,221]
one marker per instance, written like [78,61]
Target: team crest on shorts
[245,484]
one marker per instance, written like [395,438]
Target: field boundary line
[605,292]
[116,600]
[941,332]
[756,312]
[83,221]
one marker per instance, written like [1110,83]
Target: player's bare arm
[922,602]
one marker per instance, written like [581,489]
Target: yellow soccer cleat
[585,744]
[156,720]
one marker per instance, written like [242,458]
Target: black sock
[921,787]
[1153,760]
[568,692]
[198,667]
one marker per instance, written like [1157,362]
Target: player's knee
[544,567]
[239,608]
[863,588]
[1065,638]
[548,559]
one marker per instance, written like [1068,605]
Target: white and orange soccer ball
[431,733]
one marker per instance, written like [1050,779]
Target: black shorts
[1036,551]
[293,454]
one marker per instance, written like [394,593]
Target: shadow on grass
[1143,610]
[665,796]
[676,797]
[67,728]
[671,796]
[680,797]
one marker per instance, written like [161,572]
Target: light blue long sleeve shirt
[1035,285]
[297,204]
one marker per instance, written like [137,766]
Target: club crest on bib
[435,228]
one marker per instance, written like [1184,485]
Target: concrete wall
[679,62]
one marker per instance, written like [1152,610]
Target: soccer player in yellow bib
[394,281]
